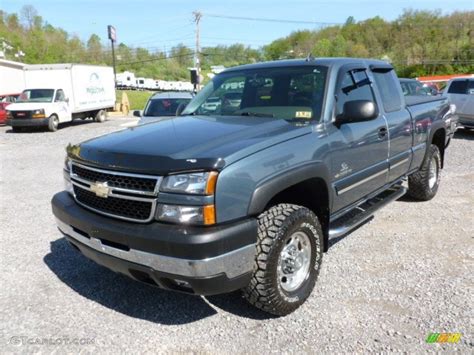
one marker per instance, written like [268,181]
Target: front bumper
[200,260]
[27,122]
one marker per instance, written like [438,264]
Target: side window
[387,85]
[470,88]
[458,87]
[355,85]
[60,96]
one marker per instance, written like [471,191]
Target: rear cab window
[387,84]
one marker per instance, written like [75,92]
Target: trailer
[12,77]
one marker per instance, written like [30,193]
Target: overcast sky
[162,24]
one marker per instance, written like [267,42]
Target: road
[385,287]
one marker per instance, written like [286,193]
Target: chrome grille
[113,180]
[120,195]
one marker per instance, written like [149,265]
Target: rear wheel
[53,123]
[288,260]
[423,185]
[100,116]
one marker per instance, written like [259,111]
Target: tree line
[417,43]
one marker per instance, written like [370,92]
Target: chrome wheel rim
[433,173]
[294,262]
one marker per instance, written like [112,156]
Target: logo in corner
[100,189]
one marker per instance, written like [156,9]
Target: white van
[461,93]
[57,93]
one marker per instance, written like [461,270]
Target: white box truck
[57,93]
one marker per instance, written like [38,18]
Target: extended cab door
[398,119]
[359,150]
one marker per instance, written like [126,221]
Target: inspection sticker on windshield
[303,114]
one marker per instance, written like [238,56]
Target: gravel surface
[385,287]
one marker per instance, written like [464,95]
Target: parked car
[412,87]
[58,93]
[162,106]
[460,92]
[5,100]
[209,203]
[211,104]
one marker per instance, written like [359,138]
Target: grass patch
[137,99]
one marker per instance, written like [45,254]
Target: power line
[273,20]
[159,59]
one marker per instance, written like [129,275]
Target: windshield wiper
[256,114]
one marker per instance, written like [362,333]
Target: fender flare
[436,126]
[270,187]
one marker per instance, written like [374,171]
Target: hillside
[417,43]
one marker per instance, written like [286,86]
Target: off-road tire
[17,129]
[275,226]
[100,116]
[53,123]
[418,183]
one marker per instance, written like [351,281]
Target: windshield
[36,95]
[294,93]
[414,88]
[164,107]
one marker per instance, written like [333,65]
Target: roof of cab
[310,62]
[172,95]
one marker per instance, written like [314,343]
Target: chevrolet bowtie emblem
[100,189]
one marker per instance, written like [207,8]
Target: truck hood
[27,106]
[185,143]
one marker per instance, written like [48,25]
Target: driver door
[61,106]
[359,150]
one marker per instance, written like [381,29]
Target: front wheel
[53,123]
[288,259]
[423,185]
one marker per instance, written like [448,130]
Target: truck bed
[412,100]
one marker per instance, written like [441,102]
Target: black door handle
[382,132]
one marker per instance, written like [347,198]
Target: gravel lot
[383,288]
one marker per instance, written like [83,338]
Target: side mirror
[137,113]
[67,100]
[357,111]
[180,109]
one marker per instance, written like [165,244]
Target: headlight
[193,183]
[38,114]
[67,178]
[203,183]
[204,215]
[9,115]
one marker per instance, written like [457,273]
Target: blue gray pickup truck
[248,194]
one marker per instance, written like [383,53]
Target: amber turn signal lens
[209,215]
[211,183]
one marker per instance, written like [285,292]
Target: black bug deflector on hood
[184,143]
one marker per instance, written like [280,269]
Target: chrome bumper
[232,264]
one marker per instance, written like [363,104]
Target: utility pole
[197,60]
[113,38]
